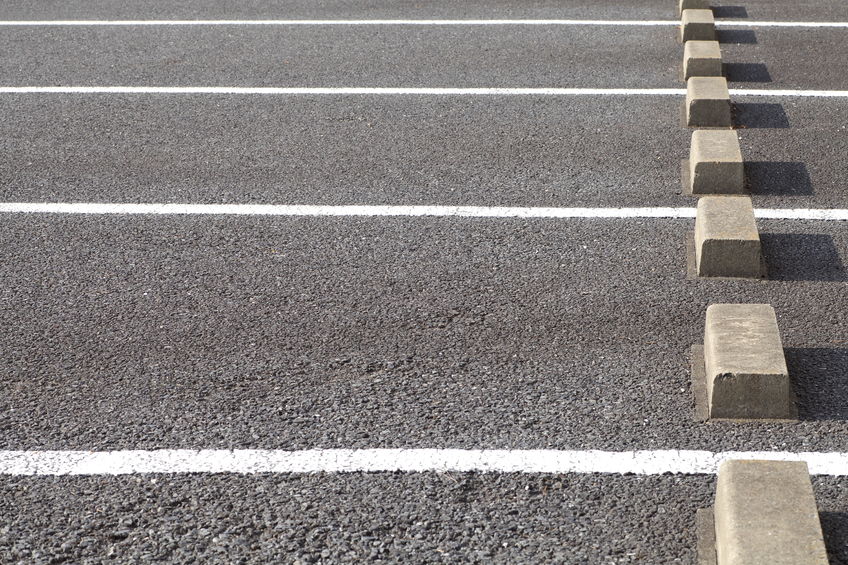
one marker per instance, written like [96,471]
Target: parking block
[727,243]
[698,25]
[765,514]
[715,163]
[744,364]
[707,102]
[701,59]
[692,5]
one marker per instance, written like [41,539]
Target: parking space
[802,10]
[354,333]
[388,56]
[414,518]
[160,332]
[406,149]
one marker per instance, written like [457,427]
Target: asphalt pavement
[603,151]
[205,332]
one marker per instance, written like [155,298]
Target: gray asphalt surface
[298,333]
[428,56]
[487,151]
[386,518]
[797,10]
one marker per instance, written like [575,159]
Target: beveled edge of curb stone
[692,271]
[686,186]
[705,536]
[699,383]
[787,504]
[699,394]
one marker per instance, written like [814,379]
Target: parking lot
[430,328]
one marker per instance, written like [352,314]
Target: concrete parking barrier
[715,163]
[727,243]
[701,59]
[707,102]
[744,364]
[692,5]
[697,25]
[765,514]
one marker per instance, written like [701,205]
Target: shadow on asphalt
[820,377]
[835,529]
[772,178]
[802,257]
[730,12]
[737,36]
[746,72]
[759,115]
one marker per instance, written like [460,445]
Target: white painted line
[382,210]
[743,23]
[405,22]
[334,90]
[395,22]
[310,210]
[249,461]
[423,91]
[801,214]
[810,93]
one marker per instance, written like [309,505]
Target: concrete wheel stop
[692,5]
[707,103]
[715,164]
[697,25]
[765,514]
[726,243]
[740,372]
[702,59]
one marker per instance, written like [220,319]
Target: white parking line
[382,210]
[372,22]
[422,91]
[249,461]
[407,22]
[335,90]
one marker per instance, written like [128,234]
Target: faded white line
[406,22]
[380,210]
[422,91]
[250,461]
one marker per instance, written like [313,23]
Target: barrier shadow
[835,531]
[785,178]
[746,72]
[730,12]
[802,257]
[736,36]
[820,381]
[759,115]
